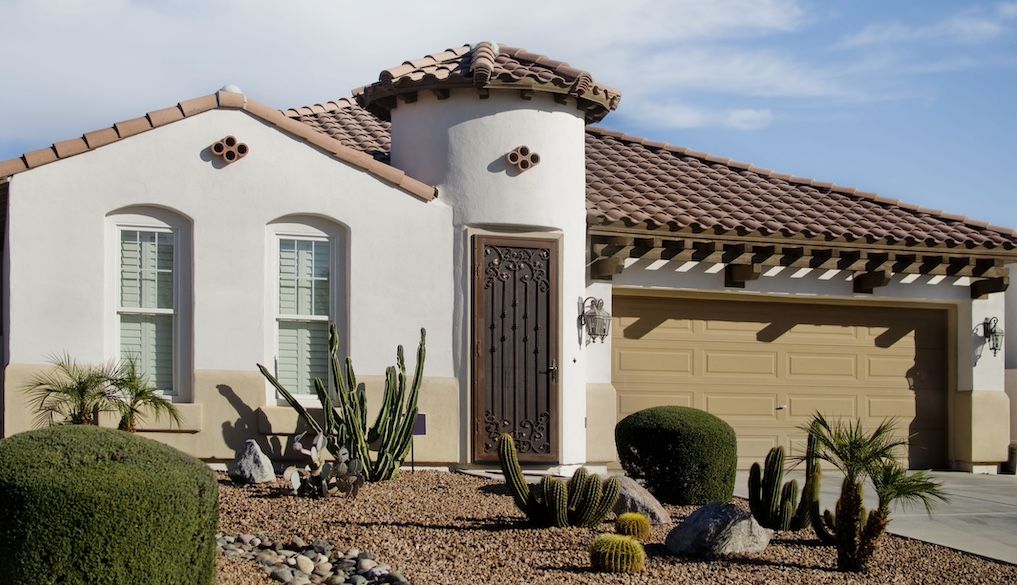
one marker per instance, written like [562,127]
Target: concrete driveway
[981,516]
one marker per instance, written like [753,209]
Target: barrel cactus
[616,553]
[582,501]
[633,524]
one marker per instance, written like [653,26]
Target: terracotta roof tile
[101,137]
[40,157]
[165,116]
[198,105]
[132,127]
[70,147]
[489,65]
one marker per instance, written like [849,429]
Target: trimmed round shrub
[682,455]
[83,504]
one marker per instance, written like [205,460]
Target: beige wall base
[1011,392]
[230,407]
[601,416]
[981,428]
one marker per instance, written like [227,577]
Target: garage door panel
[726,363]
[741,360]
[819,365]
[741,405]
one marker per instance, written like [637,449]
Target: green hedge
[683,455]
[83,504]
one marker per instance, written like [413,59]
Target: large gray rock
[635,498]
[252,466]
[718,529]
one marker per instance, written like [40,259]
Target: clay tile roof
[489,65]
[631,183]
[348,123]
[355,143]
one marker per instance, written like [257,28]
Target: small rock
[717,529]
[246,538]
[267,558]
[305,564]
[255,541]
[353,553]
[357,580]
[282,574]
[335,580]
[323,569]
[365,564]
[298,542]
[322,546]
[251,465]
[635,498]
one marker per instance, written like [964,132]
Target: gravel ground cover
[450,528]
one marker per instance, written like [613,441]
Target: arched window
[308,294]
[150,259]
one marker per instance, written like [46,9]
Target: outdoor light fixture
[594,319]
[993,334]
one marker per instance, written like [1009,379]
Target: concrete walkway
[981,516]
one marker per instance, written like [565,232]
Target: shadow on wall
[235,434]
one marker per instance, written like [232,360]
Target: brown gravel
[440,528]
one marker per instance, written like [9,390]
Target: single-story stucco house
[467,193]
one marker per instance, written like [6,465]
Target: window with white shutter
[303,312]
[146,305]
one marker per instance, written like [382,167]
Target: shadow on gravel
[498,489]
[778,564]
[485,524]
[815,543]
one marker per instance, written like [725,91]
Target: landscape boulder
[252,466]
[636,498]
[718,529]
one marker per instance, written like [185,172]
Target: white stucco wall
[1010,350]
[399,257]
[458,144]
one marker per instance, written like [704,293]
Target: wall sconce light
[993,334]
[594,318]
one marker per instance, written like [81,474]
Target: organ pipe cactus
[582,501]
[772,502]
[615,553]
[344,422]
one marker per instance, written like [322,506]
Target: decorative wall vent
[522,158]
[229,149]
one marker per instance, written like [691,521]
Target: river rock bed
[449,528]
[298,562]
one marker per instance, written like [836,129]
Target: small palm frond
[134,395]
[70,392]
[893,483]
[852,450]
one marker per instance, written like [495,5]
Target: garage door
[766,367]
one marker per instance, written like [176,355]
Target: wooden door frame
[552,244]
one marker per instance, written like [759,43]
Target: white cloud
[675,115]
[749,119]
[82,65]
[968,28]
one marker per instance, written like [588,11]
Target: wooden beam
[865,282]
[606,268]
[408,97]
[561,98]
[442,93]
[980,288]
[852,260]
[736,275]
[526,94]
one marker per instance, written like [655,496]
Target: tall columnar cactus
[582,501]
[773,503]
[345,420]
[615,553]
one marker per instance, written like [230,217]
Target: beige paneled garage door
[766,367]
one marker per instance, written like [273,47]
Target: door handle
[552,370]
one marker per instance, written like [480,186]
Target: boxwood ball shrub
[682,455]
[83,504]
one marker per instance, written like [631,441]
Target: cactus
[584,500]
[345,420]
[616,553]
[633,524]
[772,504]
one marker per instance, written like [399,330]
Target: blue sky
[911,100]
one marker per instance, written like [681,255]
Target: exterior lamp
[993,334]
[594,318]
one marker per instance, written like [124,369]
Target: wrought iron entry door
[515,347]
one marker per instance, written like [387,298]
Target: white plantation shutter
[304,298]
[147,302]
[303,355]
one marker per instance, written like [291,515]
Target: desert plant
[83,504]
[682,455]
[71,393]
[616,553]
[859,455]
[133,395]
[772,501]
[345,420]
[633,524]
[582,501]
[319,479]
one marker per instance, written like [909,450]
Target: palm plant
[859,455]
[71,393]
[134,395]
